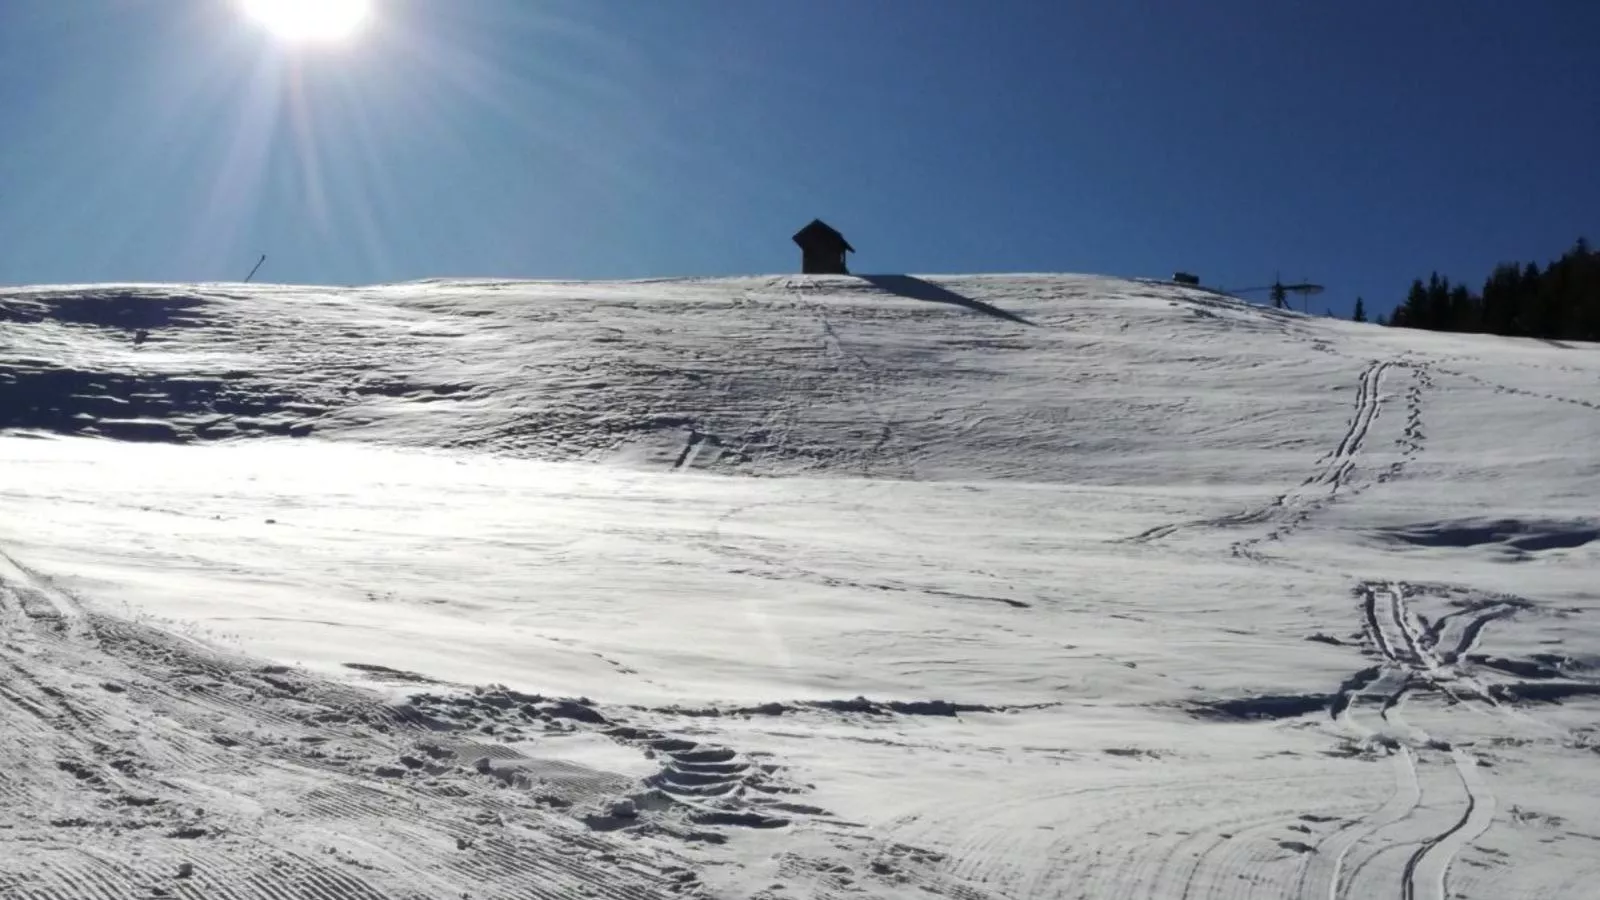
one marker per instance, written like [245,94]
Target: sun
[309,20]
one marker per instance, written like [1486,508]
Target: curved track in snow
[140,763]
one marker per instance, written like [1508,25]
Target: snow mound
[1051,378]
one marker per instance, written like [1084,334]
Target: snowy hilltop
[978,587]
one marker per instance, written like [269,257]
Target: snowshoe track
[1336,476]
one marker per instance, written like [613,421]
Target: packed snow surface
[820,587]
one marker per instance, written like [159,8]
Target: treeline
[1560,301]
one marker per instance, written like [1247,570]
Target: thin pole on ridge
[254,270]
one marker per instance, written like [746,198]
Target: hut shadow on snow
[914,288]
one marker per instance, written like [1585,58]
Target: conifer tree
[1560,301]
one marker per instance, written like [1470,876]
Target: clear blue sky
[1356,143]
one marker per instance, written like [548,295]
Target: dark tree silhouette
[1280,298]
[1360,314]
[1558,302]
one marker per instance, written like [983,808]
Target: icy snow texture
[976,587]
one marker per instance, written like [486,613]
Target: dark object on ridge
[822,249]
[1280,299]
[1186,278]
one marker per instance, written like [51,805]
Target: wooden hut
[822,249]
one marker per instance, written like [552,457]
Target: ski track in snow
[784,588]
[269,783]
[1411,660]
[1335,477]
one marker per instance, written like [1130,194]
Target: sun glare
[309,20]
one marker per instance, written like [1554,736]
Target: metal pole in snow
[253,271]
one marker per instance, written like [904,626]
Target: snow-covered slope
[1070,587]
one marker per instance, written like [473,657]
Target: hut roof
[820,233]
